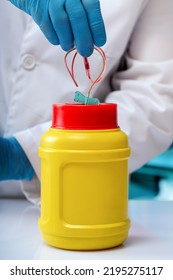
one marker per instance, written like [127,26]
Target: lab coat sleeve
[29,140]
[144,91]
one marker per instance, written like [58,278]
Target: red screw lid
[84,117]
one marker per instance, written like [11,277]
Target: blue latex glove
[67,21]
[13,162]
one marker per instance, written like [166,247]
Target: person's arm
[65,22]
[145,89]
[14,164]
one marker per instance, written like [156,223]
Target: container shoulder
[84,140]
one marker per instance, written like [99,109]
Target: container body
[84,188]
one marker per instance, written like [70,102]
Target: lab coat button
[28,62]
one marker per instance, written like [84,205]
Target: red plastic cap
[84,117]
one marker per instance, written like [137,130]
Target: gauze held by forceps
[79,97]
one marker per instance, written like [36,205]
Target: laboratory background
[154,180]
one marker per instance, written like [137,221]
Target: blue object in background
[155,179]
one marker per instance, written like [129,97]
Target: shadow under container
[84,178]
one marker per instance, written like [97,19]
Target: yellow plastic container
[84,178]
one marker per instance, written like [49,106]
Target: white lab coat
[33,77]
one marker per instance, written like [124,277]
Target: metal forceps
[79,97]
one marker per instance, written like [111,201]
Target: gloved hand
[13,162]
[67,21]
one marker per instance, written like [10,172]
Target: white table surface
[150,236]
